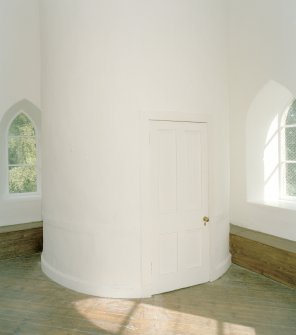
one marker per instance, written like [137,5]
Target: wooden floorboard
[239,303]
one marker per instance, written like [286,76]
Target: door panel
[168,253]
[167,173]
[189,171]
[190,240]
[179,200]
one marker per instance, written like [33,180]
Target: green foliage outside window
[22,179]
[22,156]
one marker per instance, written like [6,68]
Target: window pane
[291,116]
[290,134]
[21,150]
[291,179]
[22,179]
[21,126]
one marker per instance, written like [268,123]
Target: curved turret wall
[103,64]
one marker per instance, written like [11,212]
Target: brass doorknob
[205,220]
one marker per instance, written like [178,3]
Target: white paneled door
[178,202]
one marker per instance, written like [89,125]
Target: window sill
[22,197]
[282,204]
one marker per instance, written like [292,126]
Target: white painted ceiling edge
[102,64]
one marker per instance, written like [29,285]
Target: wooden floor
[240,303]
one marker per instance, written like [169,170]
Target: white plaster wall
[104,62]
[262,66]
[19,79]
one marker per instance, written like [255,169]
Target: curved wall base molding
[86,287]
[220,270]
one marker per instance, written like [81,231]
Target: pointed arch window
[288,153]
[22,155]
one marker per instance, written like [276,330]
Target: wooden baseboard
[268,255]
[21,240]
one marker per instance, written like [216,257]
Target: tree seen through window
[22,169]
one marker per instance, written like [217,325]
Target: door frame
[145,212]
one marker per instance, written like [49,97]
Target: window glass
[291,179]
[290,140]
[22,176]
[291,116]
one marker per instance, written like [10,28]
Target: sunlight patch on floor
[233,329]
[127,317]
[108,314]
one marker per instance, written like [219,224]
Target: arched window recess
[20,166]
